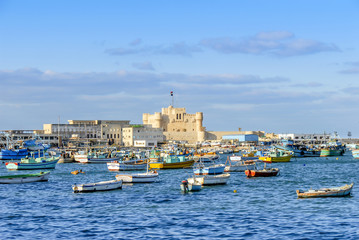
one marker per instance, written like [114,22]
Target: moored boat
[265,172]
[209,170]
[98,186]
[195,186]
[210,179]
[147,177]
[116,166]
[355,154]
[33,163]
[24,178]
[173,162]
[276,155]
[239,166]
[326,192]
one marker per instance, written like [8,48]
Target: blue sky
[276,66]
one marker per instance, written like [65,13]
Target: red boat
[266,172]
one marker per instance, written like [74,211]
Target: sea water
[256,208]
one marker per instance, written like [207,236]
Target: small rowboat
[210,179]
[326,192]
[191,187]
[24,178]
[148,177]
[99,186]
[266,172]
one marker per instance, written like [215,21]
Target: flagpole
[172,97]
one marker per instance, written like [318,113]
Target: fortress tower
[177,124]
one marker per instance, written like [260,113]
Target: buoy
[235,191]
[304,165]
[337,158]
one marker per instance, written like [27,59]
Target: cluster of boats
[206,170]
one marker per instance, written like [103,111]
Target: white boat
[25,178]
[99,186]
[210,179]
[190,187]
[89,158]
[148,177]
[239,165]
[123,166]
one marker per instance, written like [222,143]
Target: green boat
[33,163]
[24,178]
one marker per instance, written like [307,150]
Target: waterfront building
[177,124]
[110,130]
[142,136]
[311,138]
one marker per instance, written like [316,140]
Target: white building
[142,136]
[309,138]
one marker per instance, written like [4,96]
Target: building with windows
[110,130]
[142,136]
[305,138]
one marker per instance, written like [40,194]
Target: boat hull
[331,152]
[276,159]
[210,170]
[211,179]
[164,165]
[138,178]
[24,178]
[86,159]
[262,173]
[99,186]
[239,167]
[355,154]
[31,166]
[328,192]
[116,166]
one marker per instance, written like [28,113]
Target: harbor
[242,208]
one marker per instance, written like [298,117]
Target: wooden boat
[209,170]
[326,192]
[99,186]
[190,187]
[147,177]
[355,153]
[25,178]
[33,163]
[277,155]
[173,162]
[265,172]
[95,158]
[210,179]
[239,166]
[123,166]
[77,172]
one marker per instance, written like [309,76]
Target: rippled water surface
[262,208]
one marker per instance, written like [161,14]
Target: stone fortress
[179,125]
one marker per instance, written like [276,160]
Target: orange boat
[265,172]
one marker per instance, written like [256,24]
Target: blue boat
[13,154]
[209,170]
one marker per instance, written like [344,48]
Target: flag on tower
[171,93]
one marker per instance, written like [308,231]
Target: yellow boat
[276,159]
[164,165]
[277,156]
[172,161]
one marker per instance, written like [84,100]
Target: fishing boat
[13,154]
[127,165]
[326,192]
[147,177]
[210,179]
[195,186]
[299,150]
[201,169]
[99,186]
[239,166]
[31,163]
[25,178]
[333,148]
[172,162]
[95,157]
[277,155]
[265,172]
